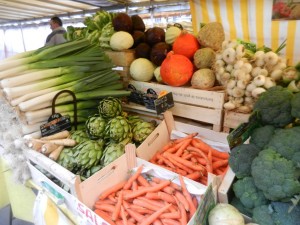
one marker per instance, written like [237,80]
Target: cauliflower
[274,107]
[261,136]
[287,143]
[275,175]
[249,195]
[277,213]
[241,158]
[296,105]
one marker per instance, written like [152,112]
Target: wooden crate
[199,105]
[233,119]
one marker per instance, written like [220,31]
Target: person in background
[57,34]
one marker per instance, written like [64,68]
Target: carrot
[140,209]
[142,181]
[105,201]
[150,219]
[165,161]
[176,170]
[180,165]
[112,189]
[202,154]
[183,214]
[209,157]
[105,207]
[203,180]
[134,185]
[187,195]
[174,148]
[112,197]
[105,216]
[183,146]
[55,154]
[166,197]
[170,222]
[178,140]
[140,192]
[133,177]
[195,202]
[183,200]
[146,204]
[205,147]
[123,215]
[60,135]
[152,195]
[176,186]
[125,204]
[157,222]
[219,163]
[187,163]
[195,175]
[117,210]
[137,216]
[172,215]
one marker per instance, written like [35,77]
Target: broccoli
[275,175]
[296,105]
[241,158]
[249,195]
[239,205]
[287,143]
[277,213]
[274,107]
[262,135]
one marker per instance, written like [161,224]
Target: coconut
[204,58]
[203,79]
[211,35]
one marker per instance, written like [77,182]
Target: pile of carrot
[145,200]
[191,157]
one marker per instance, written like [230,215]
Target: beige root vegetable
[47,148]
[56,152]
[257,91]
[211,35]
[203,79]
[204,58]
[59,135]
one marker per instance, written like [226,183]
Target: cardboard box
[161,136]
[199,105]
[118,171]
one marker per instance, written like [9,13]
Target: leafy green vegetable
[262,135]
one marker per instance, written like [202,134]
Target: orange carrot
[203,155]
[172,215]
[142,181]
[141,209]
[195,175]
[180,165]
[205,147]
[137,216]
[166,161]
[133,177]
[123,215]
[152,195]
[219,163]
[134,185]
[166,197]
[187,195]
[105,201]
[146,204]
[183,146]
[195,202]
[150,219]
[105,207]
[183,214]
[191,135]
[117,210]
[157,222]
[183,200]
[170,222]
[105,216]
[176,186]
[112,189]
[187,163]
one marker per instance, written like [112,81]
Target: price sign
[164,103]
[56,123]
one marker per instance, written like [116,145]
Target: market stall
[127,123]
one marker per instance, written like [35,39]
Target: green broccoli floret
[274,106]
[277,213]
[275,175]
[239,205]
[296,105]
[287,143]
[249,195]
[262,135]
[241,158]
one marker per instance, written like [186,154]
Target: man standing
[57,34]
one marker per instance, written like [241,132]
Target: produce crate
[161,136]
[122,61]
[233,119]
[118,171]
[199,105]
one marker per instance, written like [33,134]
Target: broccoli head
[239,205]
[241,158]
[262,135]
[277,213]
[296,105]
[249,195]
[275,175]
[274,106]
[287,143]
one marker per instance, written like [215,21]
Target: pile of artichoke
[104,138]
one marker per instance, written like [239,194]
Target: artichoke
[79,136]
[110,107]
[113,151]
[95,126]
[142,130]
[88,154]
[118,129]
[66,159]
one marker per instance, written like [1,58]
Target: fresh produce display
[191,157]
[145,200]
[267,168]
